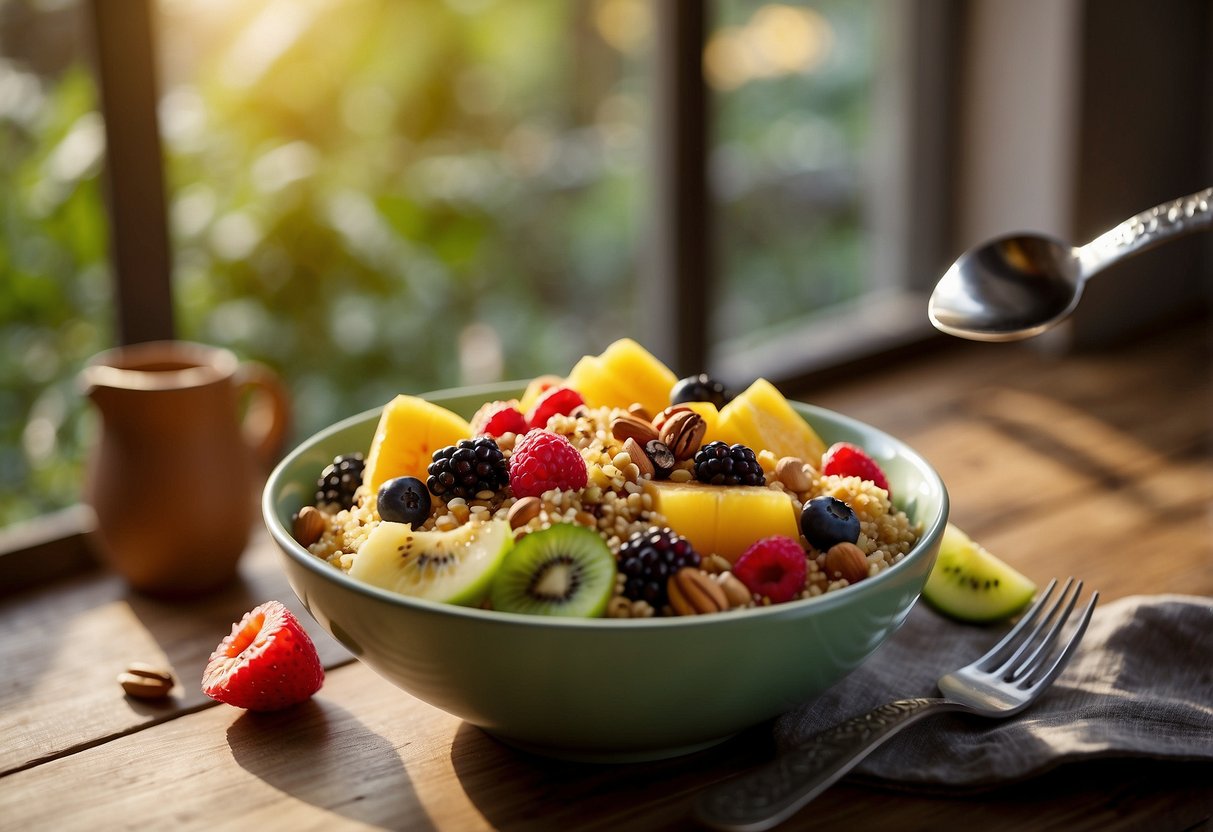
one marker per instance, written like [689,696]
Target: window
[55,299]
[377,196]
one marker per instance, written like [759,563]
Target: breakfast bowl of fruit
[610,565]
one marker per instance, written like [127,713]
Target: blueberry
[826,521]
[404,500]
[700,388]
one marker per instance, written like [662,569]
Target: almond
[790,471]
[144,681]
[639,458]
[625,426]
[683,433]
[637,410]
[693,592]
[524,511]
[309,526]
[846,560]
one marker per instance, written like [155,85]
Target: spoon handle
[1162,222]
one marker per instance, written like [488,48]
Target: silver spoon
[1018,286]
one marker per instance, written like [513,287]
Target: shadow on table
[517,790]
[320,753]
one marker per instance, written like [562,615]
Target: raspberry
[846,460]
[774,568]
[338,482]
[467,468]
[647,560]
[496,418]
[542,461]
[268,662]
[718,463]
[557,400]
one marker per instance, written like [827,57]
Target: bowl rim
[932,530]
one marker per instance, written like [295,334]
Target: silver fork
[1003,682]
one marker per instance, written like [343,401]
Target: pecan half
[683,433]
[693,592]
[738,593]
[661,418]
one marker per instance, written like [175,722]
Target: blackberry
[648,559]
[718,463]
[700,388]
[339,480]
[467,468]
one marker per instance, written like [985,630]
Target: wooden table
[1097,466]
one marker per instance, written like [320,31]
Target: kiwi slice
[453,567]
[562,570]
[970,584]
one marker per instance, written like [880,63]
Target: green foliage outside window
[383,196]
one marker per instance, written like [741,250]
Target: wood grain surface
[1098,465]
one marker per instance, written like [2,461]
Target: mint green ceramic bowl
[604,689]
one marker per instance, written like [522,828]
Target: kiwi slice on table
[453,567]
[562,570]
[970,584]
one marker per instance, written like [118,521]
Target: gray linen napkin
[1141,684]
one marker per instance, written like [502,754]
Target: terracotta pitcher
[174,473]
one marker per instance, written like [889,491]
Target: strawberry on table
[266,663]
[846,460]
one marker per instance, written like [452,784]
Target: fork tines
[1022,653]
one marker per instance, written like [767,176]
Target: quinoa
[615,504]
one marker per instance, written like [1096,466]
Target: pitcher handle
[268,415]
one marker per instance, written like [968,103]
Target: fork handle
[770,795]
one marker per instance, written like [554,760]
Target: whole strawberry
[497,418]
[774,567]
[542,461]
[846,460]
[268,662]
[555,401]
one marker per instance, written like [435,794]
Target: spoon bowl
[1020,285]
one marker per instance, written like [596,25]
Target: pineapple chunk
[409,431]
[761,418]
[595,384]
[745,514]
[724,520]
[639,374]
[624,374]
